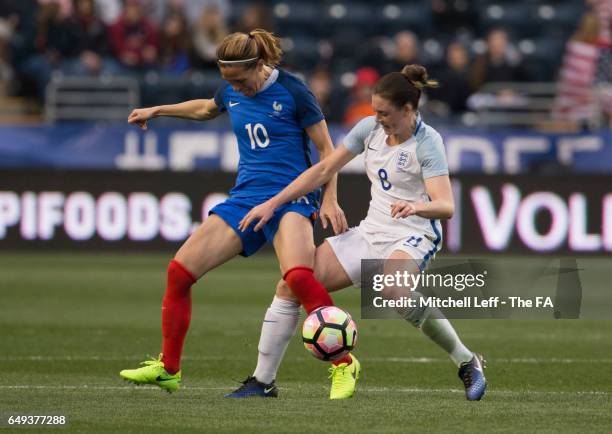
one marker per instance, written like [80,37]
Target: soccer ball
[329,333]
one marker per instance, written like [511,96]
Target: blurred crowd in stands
[340,48]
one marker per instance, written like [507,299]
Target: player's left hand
[332,213]
[262,212]
[403,208]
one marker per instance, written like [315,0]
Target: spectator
[255,16]
[20,17]
[16,12]
[602,9]
[321,85]
[454,79]
[89,35]
[208,34]
[361,96]
[52,44]
[65,7]
[584,86]
[6,70]
[405,51]
[175,44]
[109,10]
[195,8]
[500,62]
[135,38]
[53,32]
[451,16]
[157,10]
[191,9]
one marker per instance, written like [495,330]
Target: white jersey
[398,173]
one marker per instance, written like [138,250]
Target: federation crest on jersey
[404,160]
[277,106]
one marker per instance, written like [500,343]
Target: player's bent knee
[190,265]
[179,277]
[284,292]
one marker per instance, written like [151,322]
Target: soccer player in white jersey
[411,192]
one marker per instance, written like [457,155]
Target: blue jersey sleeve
[219,96]
[431,155]
[355,139]
[307,108]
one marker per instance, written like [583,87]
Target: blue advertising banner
[98,146]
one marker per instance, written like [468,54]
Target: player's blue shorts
[233,210]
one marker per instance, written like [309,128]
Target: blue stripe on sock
[435,247]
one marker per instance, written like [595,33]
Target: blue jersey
[270,127]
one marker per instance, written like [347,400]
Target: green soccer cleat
[344,379]
[153,372]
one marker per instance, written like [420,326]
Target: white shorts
[354,245]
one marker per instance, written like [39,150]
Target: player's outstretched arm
[197,109]
[309,180]
[330,210]
[441,206]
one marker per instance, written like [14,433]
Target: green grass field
[69,323]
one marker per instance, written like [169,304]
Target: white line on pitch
[88,387]
[363,389]
[489,359]
[489,392]
[492,361]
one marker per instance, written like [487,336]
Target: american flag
[575,91]
[603,81]
[603,76]
[603,12]
[585,80]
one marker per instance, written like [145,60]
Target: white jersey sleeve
[356,138]
[431,156]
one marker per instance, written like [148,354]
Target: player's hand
[141,116]
[263,213]
[332,213]
[403,208]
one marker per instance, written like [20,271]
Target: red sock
[176,314]
[307,289]
[346,359]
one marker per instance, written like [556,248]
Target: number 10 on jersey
[256,133]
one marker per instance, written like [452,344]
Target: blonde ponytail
[247,49]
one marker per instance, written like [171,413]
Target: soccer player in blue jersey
[405,161]
[273,115]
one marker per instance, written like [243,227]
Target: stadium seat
[515,17]
[542,56]
[301,52]
[558,19]
[347,20]
[297,18]
[392,18]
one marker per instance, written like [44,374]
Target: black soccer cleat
[252,388]
[472,375]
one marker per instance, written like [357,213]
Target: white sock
[442,333]
[432,323]
[279,326]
